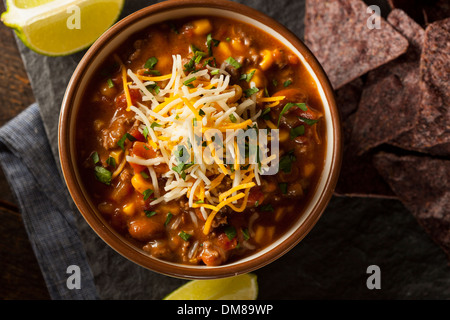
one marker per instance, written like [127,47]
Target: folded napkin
[45,205]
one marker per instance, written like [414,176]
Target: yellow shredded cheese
[168,119]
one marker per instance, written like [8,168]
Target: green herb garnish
[121,142]
[233,118]
[297,131]
[153,72]
[231,61]
[286,161]
[309,122]
[251,91]
[169,217]
[287,83]
[145,133]
[210,42]
[95,158]
[268,207]
[290,105]
[144,175]
[247,76]
[150,64]
[110,83]
[185,236]
[155,124]
[103,175]
[245,233]
[149,213]
[283,187]
[180,169]
[189,81]
[265,114]
[111,162]
[230,232]
[147,193]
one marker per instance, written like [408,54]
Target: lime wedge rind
[241,287]
[44,29]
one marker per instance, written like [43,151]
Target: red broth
[258,67]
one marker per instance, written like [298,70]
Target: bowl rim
[115,241]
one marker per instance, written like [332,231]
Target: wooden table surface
[20,276]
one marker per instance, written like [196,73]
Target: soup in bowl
[200,140]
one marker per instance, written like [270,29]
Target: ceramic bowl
[106,45]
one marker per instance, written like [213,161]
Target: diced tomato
[256,196]
[161,168]
[137,134]
[143,150]
[225,243]
[121,100]
[137,167]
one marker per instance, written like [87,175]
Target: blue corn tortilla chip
[431,133]
[422,185]
[338,34]
[390,101]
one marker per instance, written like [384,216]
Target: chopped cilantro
[251,91]
[245,233]
[121,142]
[150,63]
[286,161]
[309,122]
[189,81]
[149,213]
[210,42]
[290,105]
[297,131]
[103,175]
[168,218]
[231,61]
[185,236]
[95,158]
[283,187]
[147,193]
[230,232]
[145,133]
[110,83]
[111,162]
[268,207]
[287,83]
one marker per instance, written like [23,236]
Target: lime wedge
[242,287]
[62,27]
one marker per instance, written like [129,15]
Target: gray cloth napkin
[31,171]
[330,263]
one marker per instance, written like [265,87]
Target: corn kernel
[238,46]
[308,169]
[258,78]
[267,60]
[116,155]
[202,27]
[283,135]
[223,51]
[173,208]
[129,209]
[140,184]
[259,234]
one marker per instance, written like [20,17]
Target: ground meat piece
[119,126]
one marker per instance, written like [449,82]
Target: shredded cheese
[187,106]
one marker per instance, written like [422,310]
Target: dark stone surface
[330,263]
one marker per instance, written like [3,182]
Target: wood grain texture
[20,276]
